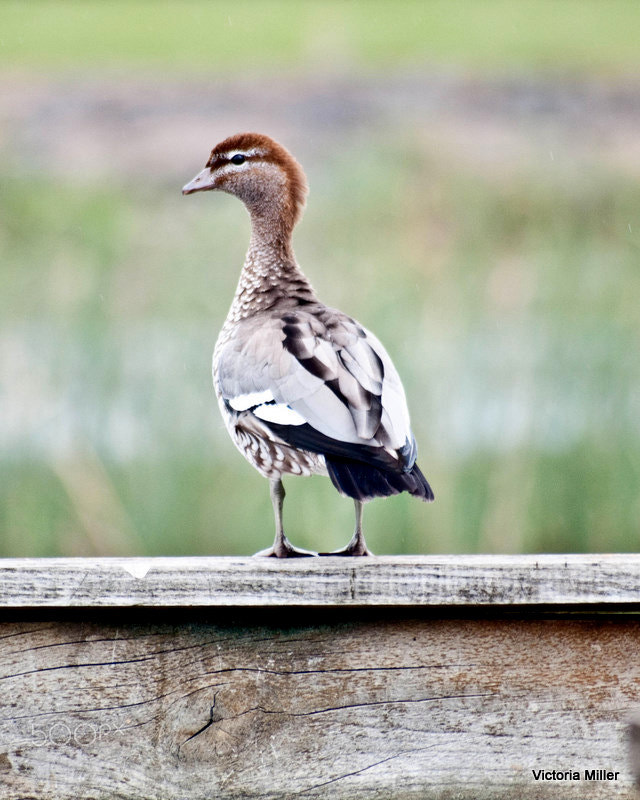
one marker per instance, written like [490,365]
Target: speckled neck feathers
[270,277]
[275,199]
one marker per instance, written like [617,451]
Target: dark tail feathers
[364,482]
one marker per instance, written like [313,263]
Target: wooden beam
[433,677]
[365,707]
[451,581]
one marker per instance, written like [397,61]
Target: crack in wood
[75,666]
[141,724]
[363,769]
[207,725]
[23,633]
[338,670]
[69,711]
[87,641]
[79,586]
[347,706]
[113,640]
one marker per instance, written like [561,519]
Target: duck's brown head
[258,170]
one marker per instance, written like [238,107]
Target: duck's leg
[357,546]
[282,547]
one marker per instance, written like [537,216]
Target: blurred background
[474,170]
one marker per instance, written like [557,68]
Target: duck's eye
[238,159]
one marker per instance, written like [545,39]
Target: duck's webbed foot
[282,548]
[357,546]
[354,548]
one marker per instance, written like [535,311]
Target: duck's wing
[321,382]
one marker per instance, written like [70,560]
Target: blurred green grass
[333,35]
[509,308]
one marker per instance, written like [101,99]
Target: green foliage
[251,36]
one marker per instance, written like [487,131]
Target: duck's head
[258,170]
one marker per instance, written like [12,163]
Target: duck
[303,388]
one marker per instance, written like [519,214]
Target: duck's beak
[203,182]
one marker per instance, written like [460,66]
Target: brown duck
[303,388]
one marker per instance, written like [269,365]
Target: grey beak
[203,182]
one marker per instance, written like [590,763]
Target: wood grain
[451,581]
[396,677]
[311,704]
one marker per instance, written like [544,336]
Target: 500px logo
[59,733]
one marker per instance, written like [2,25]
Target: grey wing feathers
[326,369]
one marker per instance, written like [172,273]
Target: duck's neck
[270,273]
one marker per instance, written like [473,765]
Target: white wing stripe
[279,413]
[244,401]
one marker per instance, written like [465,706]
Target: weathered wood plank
[360,705]
[454,581]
